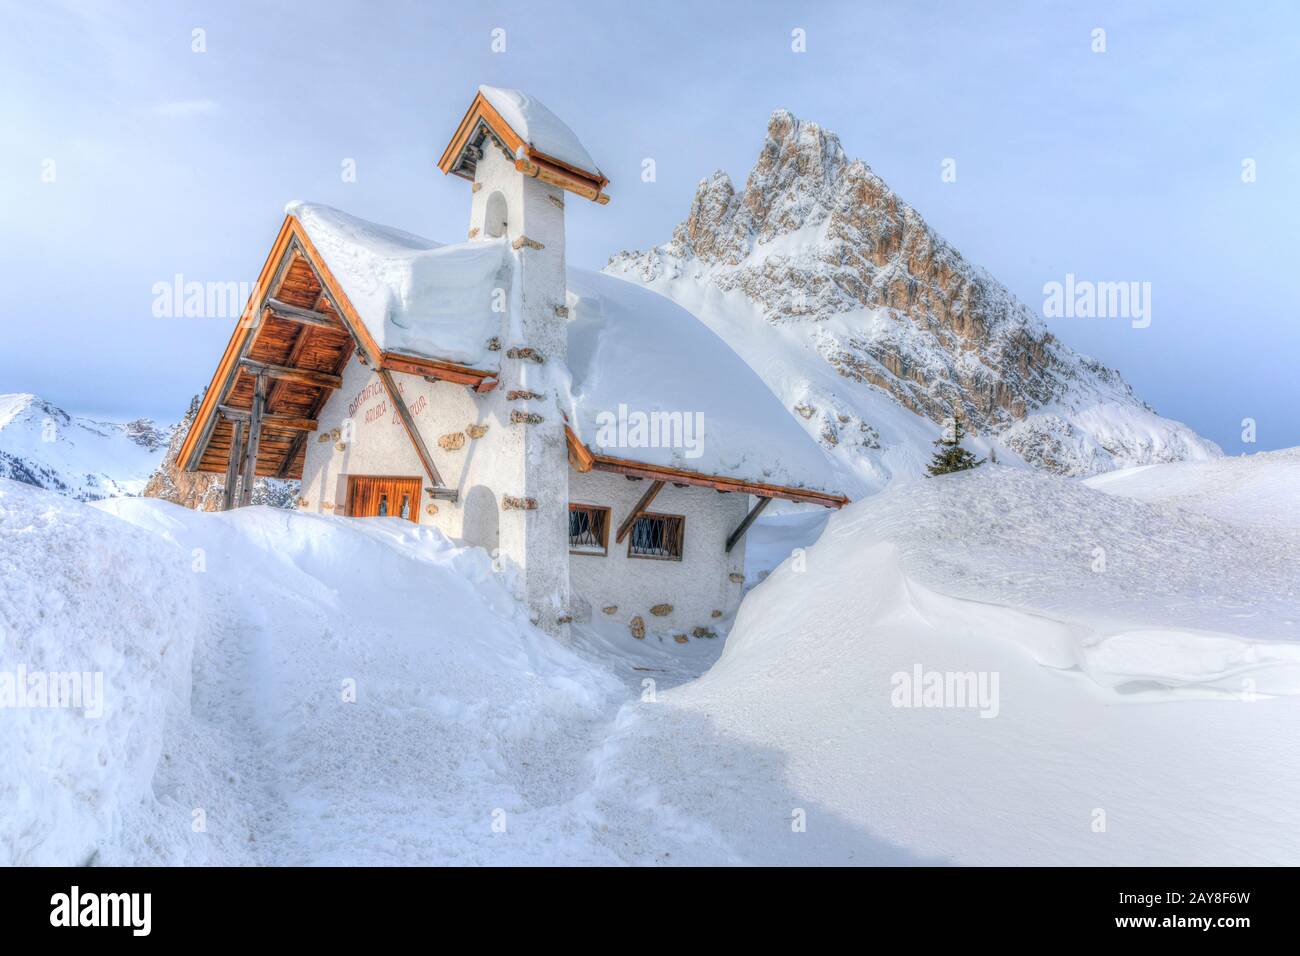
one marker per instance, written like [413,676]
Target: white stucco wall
[695,586]
[370,440]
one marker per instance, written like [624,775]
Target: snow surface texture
[1255,491]
[873,329]
[627,346]
[1156,696]
[1126,731]
[539,127]
[82,592]
[43,445]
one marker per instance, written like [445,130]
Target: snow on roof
[415,295]
[631,346]
[539,127]
[627,346]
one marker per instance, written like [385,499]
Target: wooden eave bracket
[749,520]
[412,432]
[641,506]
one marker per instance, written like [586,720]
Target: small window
[657,536]
[588,529]
[494,216]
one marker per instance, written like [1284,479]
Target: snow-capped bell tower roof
[538,142]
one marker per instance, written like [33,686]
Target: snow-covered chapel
[603,443]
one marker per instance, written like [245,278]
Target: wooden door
[371,496]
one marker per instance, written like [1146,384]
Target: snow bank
[539,127]
[378,695]
[81,593]
[414,295]
[1114,730]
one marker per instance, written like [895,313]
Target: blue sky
[1117,166]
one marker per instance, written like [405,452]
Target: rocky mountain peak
[815,235]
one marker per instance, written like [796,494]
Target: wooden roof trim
[532,162]
[580,455]
[584,460]
[479,109]
[228,367]
[435,368]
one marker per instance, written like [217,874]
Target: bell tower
[525,164]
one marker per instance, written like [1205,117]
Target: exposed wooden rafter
[303,376]
[292,313]
[284,422]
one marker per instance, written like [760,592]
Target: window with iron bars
[588,529]
[657,536]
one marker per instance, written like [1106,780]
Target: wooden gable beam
[283,422]
[310,317]
[641,506]
[754,512]
[303,376]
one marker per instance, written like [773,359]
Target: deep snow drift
[1134,698]
[1136,709]
[464,714]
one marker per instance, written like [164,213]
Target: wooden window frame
[631,535]
[604,552]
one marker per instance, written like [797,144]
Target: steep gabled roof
[534,138]
[299,329]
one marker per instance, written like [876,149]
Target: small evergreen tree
[950,456]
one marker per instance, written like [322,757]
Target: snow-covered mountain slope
[873,329]
[43,445]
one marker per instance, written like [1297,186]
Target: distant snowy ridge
[43,445]
[873,328]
